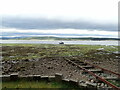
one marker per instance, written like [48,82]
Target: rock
[50,67]
[26,60]
[100,49]
[58,77]
[45,78]
[12,56]
[5,77]
[117,52]
[51,78]
[74,82]
[14,76]
[36,77]
[14,62]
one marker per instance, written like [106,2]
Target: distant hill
[56,38]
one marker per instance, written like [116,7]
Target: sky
[59,18]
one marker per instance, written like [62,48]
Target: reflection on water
[86,42]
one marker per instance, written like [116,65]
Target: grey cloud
[42,23]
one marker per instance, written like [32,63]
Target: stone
[44,78]
[51,78]
[36,77]
[29,77]
[14,76]
[100,49]
[74,82]
[58,77]
[65,80]
[89,84]
[5,77]
[50,67]
[82,84]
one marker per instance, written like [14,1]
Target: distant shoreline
[60,38]
[55,40]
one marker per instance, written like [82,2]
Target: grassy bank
[36,84]
[30,51]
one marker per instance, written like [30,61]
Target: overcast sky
[78,18]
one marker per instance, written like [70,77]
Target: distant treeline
[58,38]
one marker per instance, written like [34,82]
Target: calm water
[57,42]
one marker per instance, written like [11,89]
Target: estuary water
[85,42]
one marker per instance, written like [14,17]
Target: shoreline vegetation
[31,50]
[31,84]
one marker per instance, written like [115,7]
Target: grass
[36,84]
[30,51]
